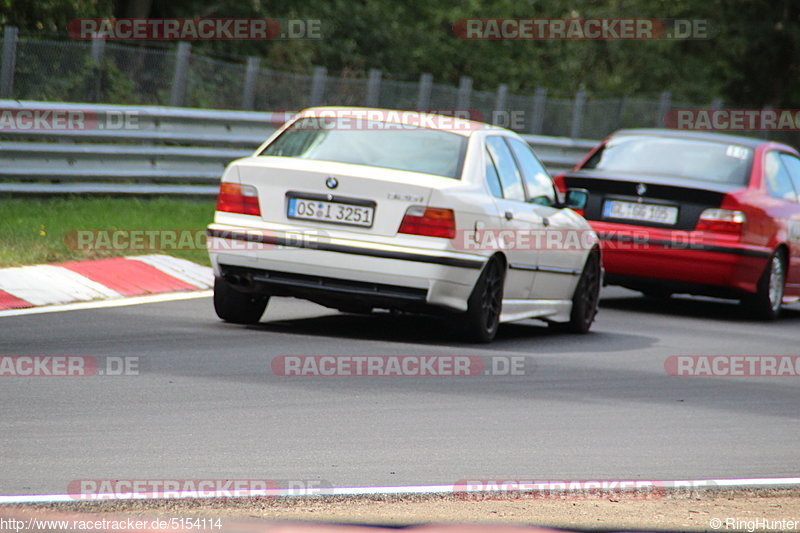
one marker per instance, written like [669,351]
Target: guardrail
[55,148]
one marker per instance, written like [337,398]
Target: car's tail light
[429,221]
[721,220]
[235,198]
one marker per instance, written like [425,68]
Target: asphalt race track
[206,404]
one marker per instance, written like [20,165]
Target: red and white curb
[104,279]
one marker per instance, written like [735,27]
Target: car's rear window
[687,158]
[376,144]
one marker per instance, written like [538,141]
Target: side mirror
[576,198]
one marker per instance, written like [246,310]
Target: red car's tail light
[721,220]
[429,221]
[235,198]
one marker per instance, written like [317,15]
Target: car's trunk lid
[357,198]
[677,202]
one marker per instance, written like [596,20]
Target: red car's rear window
[687,158]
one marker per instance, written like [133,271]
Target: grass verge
[44,230]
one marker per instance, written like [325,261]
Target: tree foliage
[752,58]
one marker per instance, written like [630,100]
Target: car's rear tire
[482,319]
[585,300]
[765,304]
[236,306]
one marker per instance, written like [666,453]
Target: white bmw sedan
[359,209]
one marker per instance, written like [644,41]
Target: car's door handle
[546,222]
[479,227]
[509,215]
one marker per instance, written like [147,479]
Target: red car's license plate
[661,214]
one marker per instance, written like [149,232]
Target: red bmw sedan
[697,213]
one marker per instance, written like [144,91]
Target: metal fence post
[9,61]
[98,49]
[537,110]
[765,133]
[424,93]
[250,80]
[373,88]
[500,104]
[318,85]
[577,114]
[464,92]
[179,75]
[621,112]
[664,105]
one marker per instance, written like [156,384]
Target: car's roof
[434,121]
[695,135]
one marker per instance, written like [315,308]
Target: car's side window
[540,186]
[507,169]
[793,166]
[779,183]
[492,179]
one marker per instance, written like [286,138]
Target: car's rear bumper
[684,261]
[334,270]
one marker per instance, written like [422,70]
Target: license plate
[660,214]
[334,212]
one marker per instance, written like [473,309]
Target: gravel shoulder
[752,510]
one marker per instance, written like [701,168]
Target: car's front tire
[765,304]
[586,298]
[236,306]
[482,319]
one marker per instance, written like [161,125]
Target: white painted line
[200,276]
[119,302]
[49,284]
[37,499]
[693,484]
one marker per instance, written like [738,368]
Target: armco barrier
[145,150]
